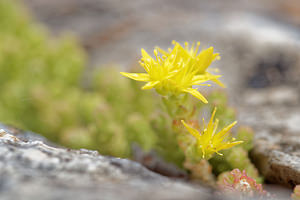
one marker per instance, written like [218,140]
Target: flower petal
[204,77]
[150,85]
[137,76]
[214,78]
[205,58]
[224,131]
[196,94]
[145,55]
[229,145]
[216,56]
[210,124]
[219,83]
[191,130]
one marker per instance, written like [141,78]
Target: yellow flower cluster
[210,142]
[175,71]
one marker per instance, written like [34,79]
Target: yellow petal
[163,52]
[216,124]
[150,85]
[214,78]
[145,55]
[219,83]
[205,58]
[209,58]
[196,94]
[137,76]
[216,56]
[191,130]
[223,132]
[210,126]
[229,145]
[204,77]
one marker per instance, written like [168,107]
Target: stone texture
[30,169]
[276,152]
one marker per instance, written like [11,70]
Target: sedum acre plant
[173,74]
[42,90]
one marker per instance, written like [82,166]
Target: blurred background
[114,31]
[60,63]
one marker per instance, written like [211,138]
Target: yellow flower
[200,61]
[176,71]
[210,142]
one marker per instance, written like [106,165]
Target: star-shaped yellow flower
[176,71]
[210,142]
[201,61]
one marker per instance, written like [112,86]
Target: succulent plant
[239,183]
[43,90]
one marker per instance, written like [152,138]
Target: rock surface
[277,146]
[30,169]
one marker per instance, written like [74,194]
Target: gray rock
[33,170]
[274,113]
